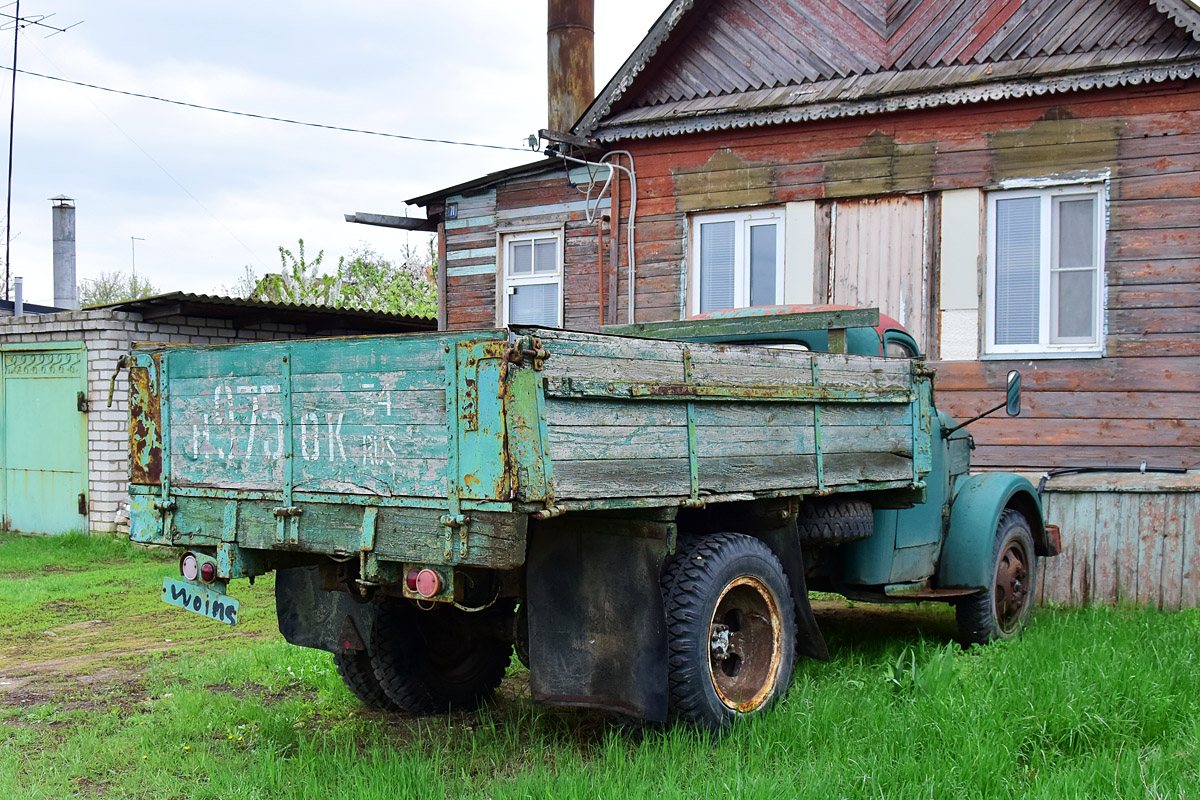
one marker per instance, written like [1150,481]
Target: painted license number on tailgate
[200,600]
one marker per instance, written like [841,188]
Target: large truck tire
[731,629]
[834,520]
[355,669]
[1001,610]
[431,662]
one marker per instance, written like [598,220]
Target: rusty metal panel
[145,422]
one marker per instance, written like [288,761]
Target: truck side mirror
[1013,404]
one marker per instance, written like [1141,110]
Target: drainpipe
[18,296]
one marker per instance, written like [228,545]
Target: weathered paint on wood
[313,441]
[1126,539]
[1146,135]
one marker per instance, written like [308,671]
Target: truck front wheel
[731,629]
[430,662]
[1001,611]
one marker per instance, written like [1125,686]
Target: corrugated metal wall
[1126,538]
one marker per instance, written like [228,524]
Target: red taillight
[429,583]
[189,567]
[208,572]
[410,580]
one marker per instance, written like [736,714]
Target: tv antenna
[18,23]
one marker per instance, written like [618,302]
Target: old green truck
[640,514]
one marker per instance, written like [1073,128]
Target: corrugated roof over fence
[245,312]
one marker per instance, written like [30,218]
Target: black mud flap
[597,629]
[786,544]
[309,616]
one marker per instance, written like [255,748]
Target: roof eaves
[477,184]
[615,89]
[961,95]
[1184,13]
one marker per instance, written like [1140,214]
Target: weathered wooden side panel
[351,416]
[1126,539]
[661,438]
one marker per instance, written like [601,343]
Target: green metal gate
[43,437]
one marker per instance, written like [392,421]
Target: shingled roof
[717,64]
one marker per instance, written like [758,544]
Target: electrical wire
[267,117]
[589,214]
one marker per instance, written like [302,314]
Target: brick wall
[107,335]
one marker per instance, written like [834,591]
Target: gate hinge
[83,509]
[81,402]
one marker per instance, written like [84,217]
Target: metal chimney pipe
[64,253]
[570,62]
[18,296]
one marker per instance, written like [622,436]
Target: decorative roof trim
[1184,13]
[1006,90]
[658,34]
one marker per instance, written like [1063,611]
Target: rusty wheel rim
[1012,586]
[745,644]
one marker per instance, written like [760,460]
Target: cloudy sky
[211,193]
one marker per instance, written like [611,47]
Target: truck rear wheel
[731,629]
[430,662]
[834,520]
[354,668]
[1001,611]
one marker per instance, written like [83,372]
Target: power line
[268,117]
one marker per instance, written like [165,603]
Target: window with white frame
[532,278]
[737,260]
[1045,262]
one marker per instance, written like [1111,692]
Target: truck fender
[979,500]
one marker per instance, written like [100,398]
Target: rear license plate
[200,600]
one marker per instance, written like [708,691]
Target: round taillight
[410,580]
[429,583]
[208,572]
[189,566]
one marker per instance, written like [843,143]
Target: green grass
[1090,703]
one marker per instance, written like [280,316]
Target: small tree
[114,287]
[298,281]
[365,279]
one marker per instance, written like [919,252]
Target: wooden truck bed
[438,448]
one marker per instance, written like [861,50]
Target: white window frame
[748,218]
[1093,346]
[508,281]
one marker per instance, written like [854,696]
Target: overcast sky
[211,193]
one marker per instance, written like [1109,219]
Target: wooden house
[1017,181]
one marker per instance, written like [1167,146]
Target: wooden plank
[1058,574]
[1128,549]
[1097,455]
[1108,533]
[614,442]
[750,323]
[1170,582]
[1152,512]
[663,477]
[1084,535]
[1189,594]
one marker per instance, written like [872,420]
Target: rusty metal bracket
[549,512]
[164,507]
[122,363]
[287,524]
[526,347]
[452,523]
